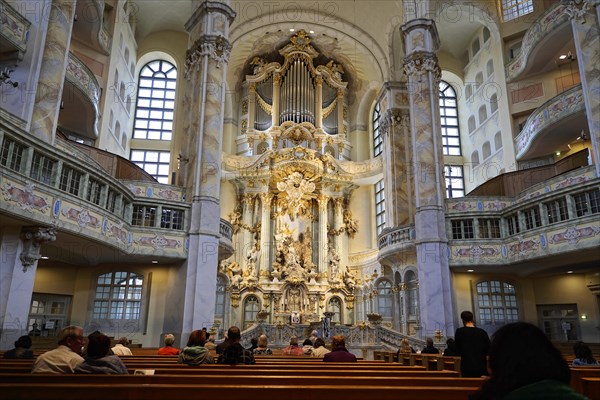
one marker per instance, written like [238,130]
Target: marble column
[399,202]
[251,107]
[266,236]
[421,41]
[275,109]
[585,17]
[323,245]
[20,254]
[338,221]
[203,109]
[319,102]
[53,68]
[247,218]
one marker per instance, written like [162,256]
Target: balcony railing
[550,20]
[14,31]
[80,76]
[557,108]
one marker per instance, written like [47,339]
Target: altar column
[51,81]
[323,245]
[192,302]
[421,41]
[275,107]
[251,107]
[247,219]
[266,237]
[338,222]
[319,101]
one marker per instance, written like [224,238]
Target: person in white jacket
[120,348]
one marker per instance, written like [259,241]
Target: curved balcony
[14,31]
[548,34]
[553,125]
[394,242]
[80,102]
[90,28]
[225,239]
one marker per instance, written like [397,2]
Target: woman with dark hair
[583,355]
[524,364]
[98,359]
[21,350]
[195,353]
[451,349]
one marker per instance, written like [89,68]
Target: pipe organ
[294,103]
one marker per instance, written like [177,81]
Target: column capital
[394,117]
[216,47]
[266,198]
[420,35]
[577,9]
[33,237]
[210,7]
[420,63]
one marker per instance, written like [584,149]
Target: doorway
[48,314]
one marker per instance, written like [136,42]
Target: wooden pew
[57,391]
[591,388]
[579,373]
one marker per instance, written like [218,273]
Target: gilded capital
[420,63]
[216,47]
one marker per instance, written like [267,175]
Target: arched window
[251,308]
[155,101]
[118,295]
[116,82]
[377,139]
[126,55]
[124,140]
[482,114]
[475,158]
[111,120]
[122,91]
[475,46]
[478,79]
[379,206]
[512,9]
[412,298]
[497,303]
[493,103]
[468,91]
[498,141]
[449,120]
[335,306]
[486,150]
[117,129]
[490,67]
[220,298]
[384,299]
[486,34]
[471,124]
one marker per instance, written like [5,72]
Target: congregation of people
[519,362]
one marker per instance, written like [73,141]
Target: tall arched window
[251,308]
[497,303]
[377,139]
[154,118]
[118,295]
[335,306]
[412,297]
[379,206]
[220,298]
[449,120]
[155,101]
[384,299]
[475,158]
[482,114]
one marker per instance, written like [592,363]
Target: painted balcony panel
[89,28]
[14,32]
[551,31]
[80,102]
[554,124]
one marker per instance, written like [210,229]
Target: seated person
[168,350]
[451,349]
[66,357]
[319,349]
[429,348]
[339,353]
[210,343]
[253,344]
[583,355]
[22,349]
[524,364]
[405,348]
[195,353]
[262,349]
[98,359]
[293,349]
[307,347]
[235,353]
[121,349]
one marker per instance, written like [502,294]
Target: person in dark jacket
[99,359]
[339,353]
[525,365]
[21,350]
[429,347]
[473,345]
[235,353]
[451,349]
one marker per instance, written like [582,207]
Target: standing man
[66,357]
[473,345]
